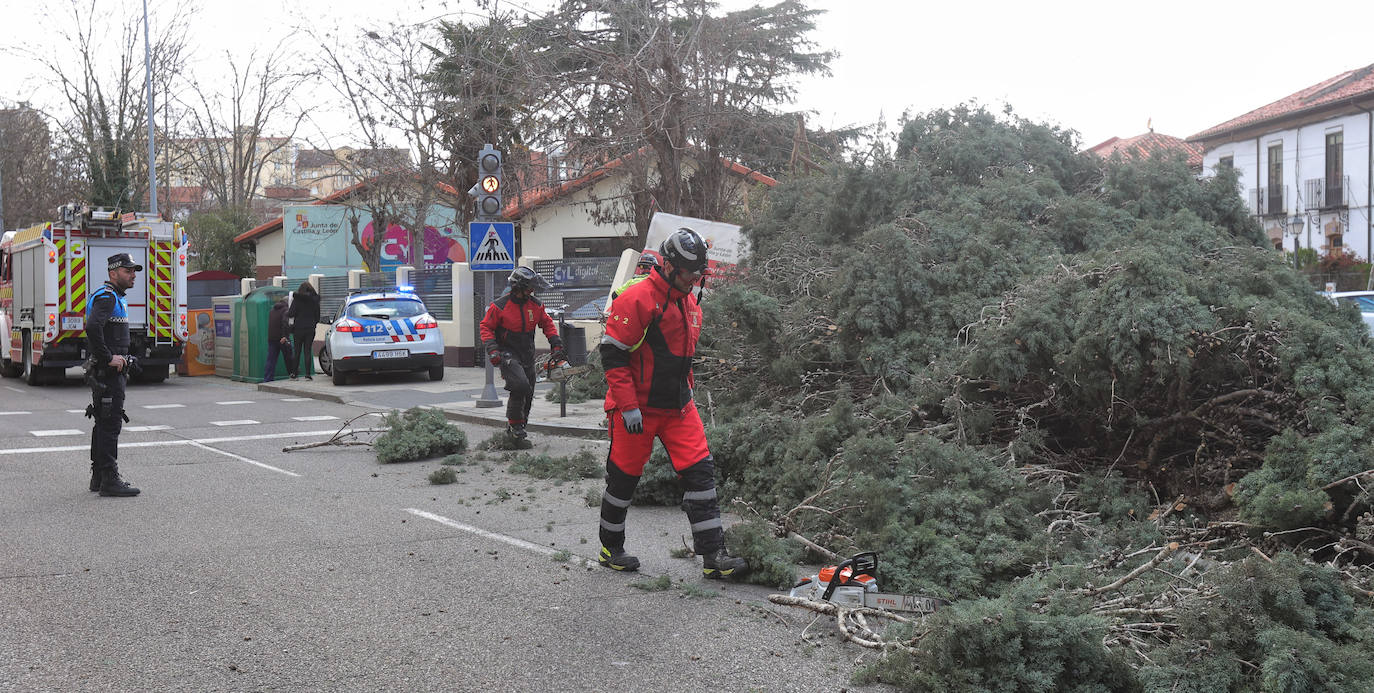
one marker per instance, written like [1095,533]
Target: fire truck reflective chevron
[48,278]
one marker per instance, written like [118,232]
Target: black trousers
[107,407]
[304,343]
[519,379]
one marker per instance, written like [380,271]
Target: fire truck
[49,271]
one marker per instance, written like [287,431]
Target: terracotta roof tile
[1350,84]
[1147,144]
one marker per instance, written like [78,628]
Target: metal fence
[377,280]
[435,288]
[1344,281]
[333,291]
[582,284]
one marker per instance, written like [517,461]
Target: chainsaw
[853,583]
[557,370]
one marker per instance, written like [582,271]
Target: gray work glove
[634,421]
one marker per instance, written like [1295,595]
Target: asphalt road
[244,568]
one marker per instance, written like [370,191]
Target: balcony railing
[1270,200]
[1327,193]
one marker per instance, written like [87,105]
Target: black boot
[112,485]
[96,476]
[516,431]
[719,564]
[617,559]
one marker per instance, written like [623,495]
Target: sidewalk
[456,395]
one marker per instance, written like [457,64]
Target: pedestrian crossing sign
[492,246]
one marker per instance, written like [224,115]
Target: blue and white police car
[382,330]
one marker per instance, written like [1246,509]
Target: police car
[387,330]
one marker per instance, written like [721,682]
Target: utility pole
[148,87]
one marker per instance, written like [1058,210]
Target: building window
[1274,194]
[1334,194]
[1226,162]
[1334,241]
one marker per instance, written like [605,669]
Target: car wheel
[153,374]
[326,364]
[436,373]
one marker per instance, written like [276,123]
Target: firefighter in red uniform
[651,336]
[508,335]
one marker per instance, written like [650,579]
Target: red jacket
[651,337]
[510,324]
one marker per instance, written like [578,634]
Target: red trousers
[683,436]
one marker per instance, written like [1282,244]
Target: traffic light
[487,191]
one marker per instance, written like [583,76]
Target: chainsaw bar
[559,374]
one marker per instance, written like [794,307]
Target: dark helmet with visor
[647,261]
[686,250]
[526,278]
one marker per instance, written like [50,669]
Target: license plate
[390,353]
[73,323]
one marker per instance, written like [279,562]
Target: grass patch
[418,433]
[583,464]
[661,583]
[443,475]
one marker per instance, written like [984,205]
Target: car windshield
[1364,303]
[386,308]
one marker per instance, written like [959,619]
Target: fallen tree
[1021,374]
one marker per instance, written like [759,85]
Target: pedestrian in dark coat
[304,315]
[278,344]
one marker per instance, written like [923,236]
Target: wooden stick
[1148,565]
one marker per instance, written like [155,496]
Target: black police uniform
[107,334]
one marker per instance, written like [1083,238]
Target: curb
[571,430]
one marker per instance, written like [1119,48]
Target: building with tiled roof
[1149,143]
[565,215]
[1305,163]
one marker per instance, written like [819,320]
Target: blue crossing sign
[491,245]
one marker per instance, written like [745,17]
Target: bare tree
[103,91]
[380,76]
[36,173]
[226,144]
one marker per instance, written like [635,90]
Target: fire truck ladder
[161,290]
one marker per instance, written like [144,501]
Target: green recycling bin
[250,334]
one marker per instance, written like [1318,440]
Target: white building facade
[1306,164]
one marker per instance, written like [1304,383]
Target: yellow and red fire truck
[48,271]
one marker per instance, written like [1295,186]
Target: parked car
[1364,300]
[382,330]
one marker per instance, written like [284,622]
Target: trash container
[575,344]
[250,334]
[223,317]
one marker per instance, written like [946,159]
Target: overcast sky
[1102,68]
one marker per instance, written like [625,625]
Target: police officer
[508,335]
[107,335]
[651,337]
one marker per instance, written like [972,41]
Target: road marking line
[57,432]
[162,406]
[237,401]
[513,541]
[236,422]
[138,429]
[325,417]
[76,411]
[243,459]
[15,413]
[160,443]
[295,399]
[15,389]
